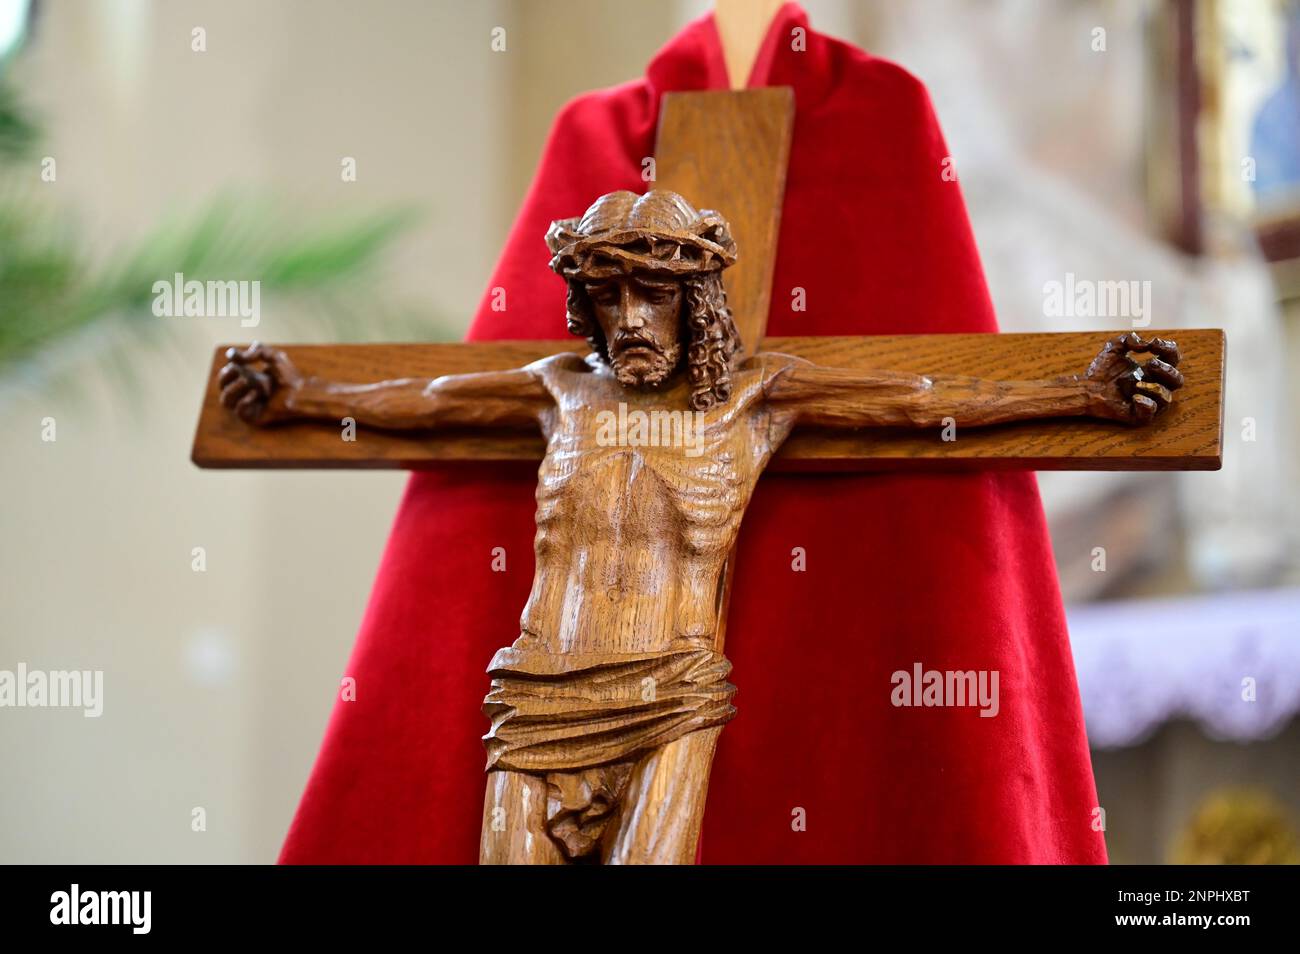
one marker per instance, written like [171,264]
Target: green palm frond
[49,288]
[18,133]
[53,285]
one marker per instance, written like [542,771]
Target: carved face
[641,318]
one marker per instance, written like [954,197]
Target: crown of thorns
[622,232]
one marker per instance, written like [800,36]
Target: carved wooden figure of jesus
[606,709]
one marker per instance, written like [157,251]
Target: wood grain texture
[1188,436]
[606,711]
[728,151]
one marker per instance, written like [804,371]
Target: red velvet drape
[953,572]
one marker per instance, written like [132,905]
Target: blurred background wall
[219,683]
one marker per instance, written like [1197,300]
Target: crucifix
[652,434]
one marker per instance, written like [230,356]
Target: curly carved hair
[663,236]
[711,335]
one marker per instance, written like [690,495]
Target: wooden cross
[617,792]
[728,151]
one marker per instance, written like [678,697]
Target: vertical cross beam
[729,151]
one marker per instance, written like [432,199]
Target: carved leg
[514,822]
[663,805]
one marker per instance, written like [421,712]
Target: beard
[643,364]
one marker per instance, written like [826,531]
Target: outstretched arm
[263,386]
[1116,386]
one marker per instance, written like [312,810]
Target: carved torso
[636,513]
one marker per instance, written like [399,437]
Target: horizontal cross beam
[1186,436]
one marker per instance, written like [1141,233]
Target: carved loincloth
[582,720]
[574,711]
